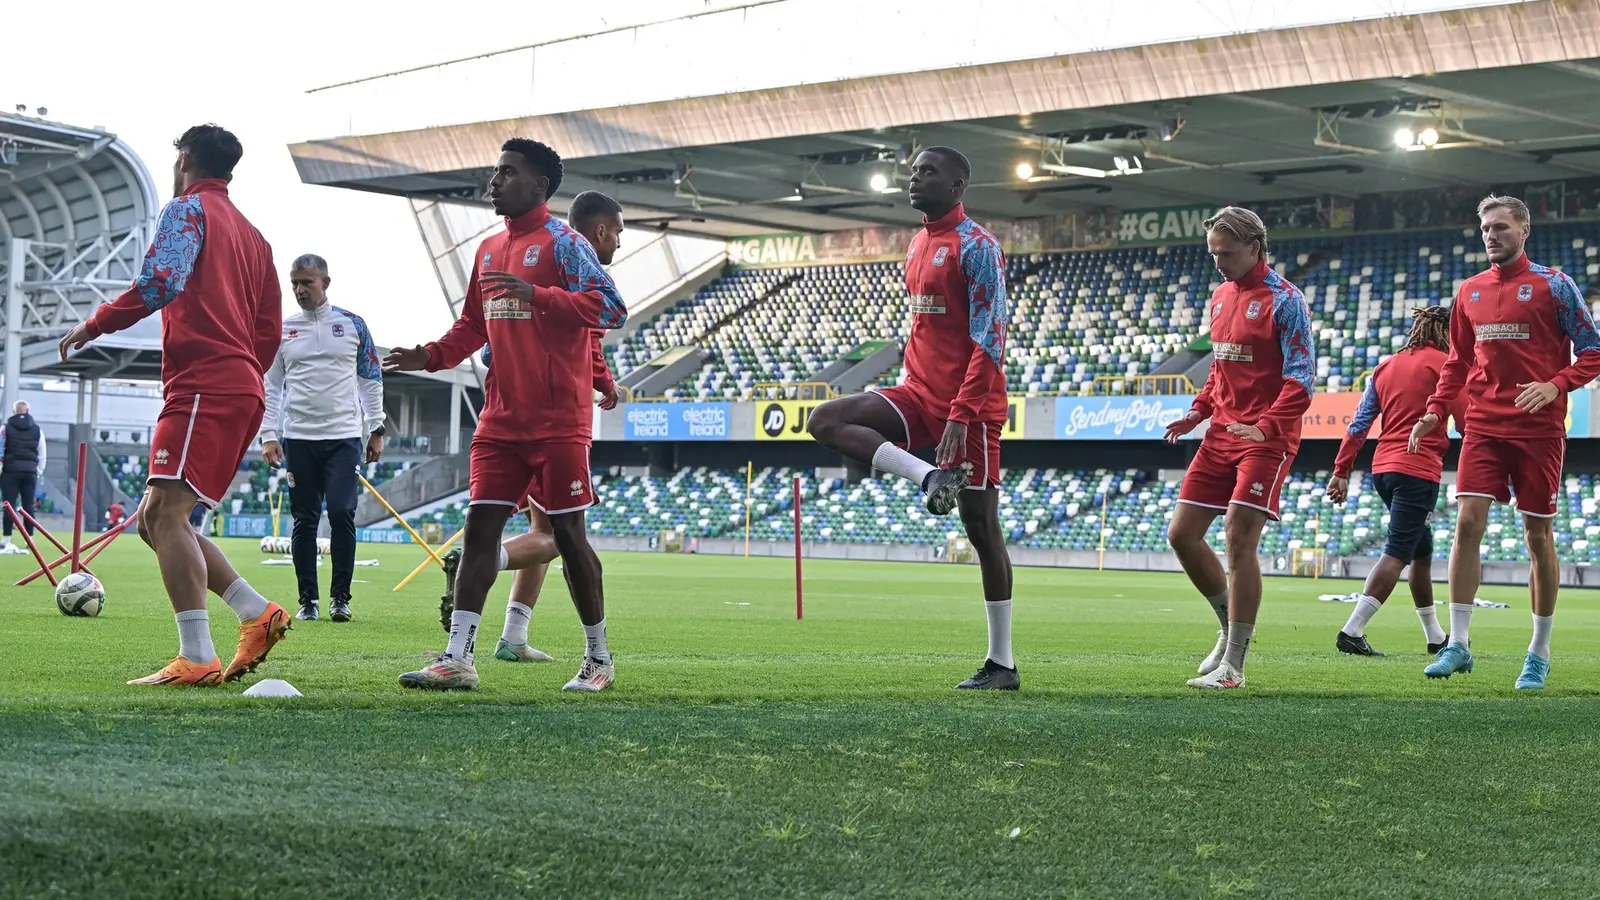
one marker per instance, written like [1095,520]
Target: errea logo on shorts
[577,488]
[1256,488]
[161,457]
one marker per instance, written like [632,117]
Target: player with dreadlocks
[1408,482]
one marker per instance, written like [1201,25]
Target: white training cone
[272,687]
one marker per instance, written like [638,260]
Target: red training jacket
[540,385]
[1398,391]
[211,273]
[1261,360]
[1512,325]
[955,274]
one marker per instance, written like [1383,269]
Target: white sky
[146,73]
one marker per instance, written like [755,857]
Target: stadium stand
[251,496]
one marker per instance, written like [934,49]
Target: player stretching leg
[536,294]
[1511,328]
[1408,483]
[599,219]
[1259,386]
[955,390]
[220,326]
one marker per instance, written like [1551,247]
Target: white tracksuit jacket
[326,383]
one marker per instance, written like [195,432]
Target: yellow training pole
[277,510]
[424,564]
[403,523]
[1105,502]
[749,474]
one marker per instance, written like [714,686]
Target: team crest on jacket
[1473,298]
[911,252]
[1253,311]
[940,255]
[1216,310]
[1525,292]
[486,259]
[338,329]
[530,257]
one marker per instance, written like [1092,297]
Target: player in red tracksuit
[1521,337]
[210,274]
[954,395]
[536,296]
[1259,387]
[599,219]
[1408,482]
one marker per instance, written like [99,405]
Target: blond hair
[1519,210]
[1243,224]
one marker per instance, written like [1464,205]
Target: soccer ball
[324,546]
[266,544]
[284,545]
[80,594]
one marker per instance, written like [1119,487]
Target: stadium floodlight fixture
[1024,171]
[8,152]
[1171,128]
[879,182]
[681,172]
[1428,137]
[1404,138]
[796,197]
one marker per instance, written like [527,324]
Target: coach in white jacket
[324,391]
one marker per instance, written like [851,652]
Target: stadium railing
[1143,385]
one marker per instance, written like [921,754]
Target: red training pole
[67,555]
[40,529]
[799,601]
[77,509]
[28,539]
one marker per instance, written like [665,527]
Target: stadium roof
[1511,90]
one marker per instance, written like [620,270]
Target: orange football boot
[183,671]
[257,637]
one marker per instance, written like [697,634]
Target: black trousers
[323,471]
[17,489]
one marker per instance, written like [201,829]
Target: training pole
[799,599]
[424,564]
[54,541]
[28,539]
[749,472]
[77,509]
[67,555]
[1105,502]
[403,523]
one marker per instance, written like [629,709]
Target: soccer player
[22,458]
[1258,388]
[1408,482]
[537,293]
[210,274]
[954,395]
[324,393]
[599,219]
[1512,328]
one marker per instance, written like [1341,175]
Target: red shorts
[1497,468]
[554,474]
[1244,473]
[925,428]
[200,439]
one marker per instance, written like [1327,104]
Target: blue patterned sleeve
[366,352]
[179,236]
[1293,323]
[988,308]
[1576,321]
[1367,412]
[590,293]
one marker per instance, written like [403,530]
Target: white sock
[1000,632]
[594,637]
[194,636]
[1430,624]
[244,601]
[516,628]
[889,458]
[1460,620]
[1219,605]
[1239,635]
[1366,608]
[505,559]
[1541,636]
[463,635]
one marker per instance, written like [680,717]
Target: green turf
[745,754]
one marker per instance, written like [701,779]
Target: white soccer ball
[324,546]
[80,594]
[266,544]
[282,545]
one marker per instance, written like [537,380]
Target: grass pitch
[745,754]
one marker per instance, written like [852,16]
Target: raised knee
[821,422]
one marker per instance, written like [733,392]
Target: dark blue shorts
[1411,501]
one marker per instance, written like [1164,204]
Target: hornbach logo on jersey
[785,420]
[1233,352]
[507,308]
[928,304]
[1503,331]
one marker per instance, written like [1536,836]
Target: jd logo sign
[785,420]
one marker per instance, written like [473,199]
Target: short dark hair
[212,148]
[310,261]
[591,205]
[544,160]
[954,157]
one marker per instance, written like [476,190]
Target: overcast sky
[146,72]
